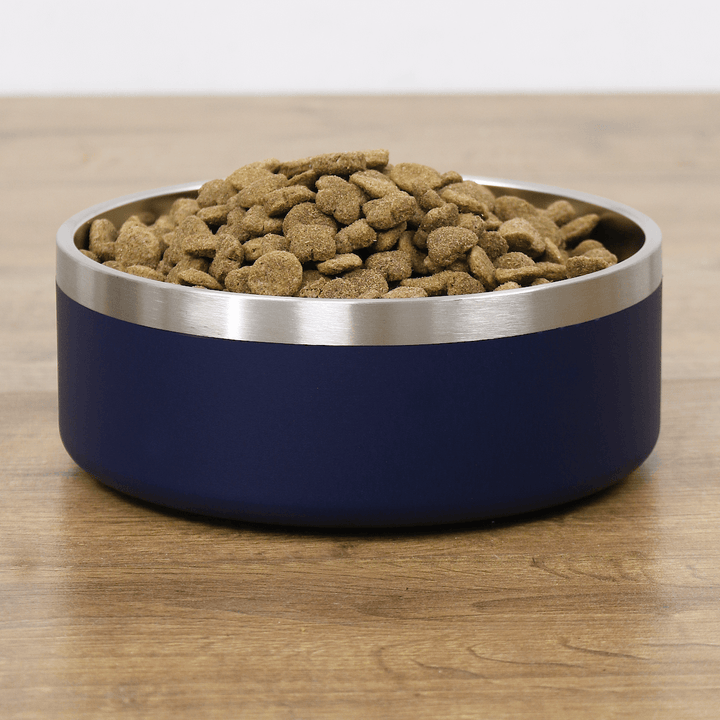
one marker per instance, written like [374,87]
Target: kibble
[351,225]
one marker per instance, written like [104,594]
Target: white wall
[350,46]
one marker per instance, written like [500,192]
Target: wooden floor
[607,608]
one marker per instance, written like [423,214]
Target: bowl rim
[399,321]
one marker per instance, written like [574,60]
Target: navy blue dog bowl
[361,413]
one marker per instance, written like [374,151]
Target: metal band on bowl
[409,321]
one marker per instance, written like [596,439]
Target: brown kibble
[461,283]
[368,283]
[257,247]
[470,197]
[374,183]
[552,271]
[215,192]
[340,264]
[257,222]
[256,192]
[405,292]
[146,272]
[390,210]
[354,237]
[248,174]
[560,212]
[481,266]
[585,246]
[415,178]
[198,278]
[446,244]
[137,244]
[182,208]
[579,228]
[279,201]
[493,243]
[393,265]
[103,234]
[521,275]
[306,214]
[312,242]
[275,273]
[521,236]
[195,238]
[339,198]
[508,286]
[446,215]
[583,265]
[237,280]
[508,207]
[388,239]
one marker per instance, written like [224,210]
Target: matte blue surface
[359,436]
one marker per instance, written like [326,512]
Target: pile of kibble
[350,225]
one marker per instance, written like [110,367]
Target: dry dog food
[351,225]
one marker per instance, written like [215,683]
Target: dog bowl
[361,413]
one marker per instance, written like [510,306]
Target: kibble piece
[446,215]
[430,199]
[508,286]
[103,234]
[198,278]
[374,183]
[603,253]
[461,283]
[376,159]
[579,228]
[214,214]
[354,237]
[340,264]
[470,197]
[493,243]
[583,265]
[312,242]
[521,236]
[248,174]
[521,275]
[195,238]
[137,245]
[182,208]
[432,284]
[339,198]
[415,178]
[91,255]
[446,244]
[553,253]
[560,212]
[393,265]
[552,271]
[472,222]
[367,283]
[215,192]
[237,280]
[387,239]
[256,192]
[508,207]
[390,210]
[586,245]
[146,272]
[481,266]
[257,222]
[275,273]
[306,214]
[405,292]
[257,247]
[279,201]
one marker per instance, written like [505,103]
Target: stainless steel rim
[416,321]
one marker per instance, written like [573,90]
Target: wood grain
[606,608]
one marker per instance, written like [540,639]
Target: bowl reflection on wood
[361,413]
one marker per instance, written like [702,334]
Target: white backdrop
[349,46]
